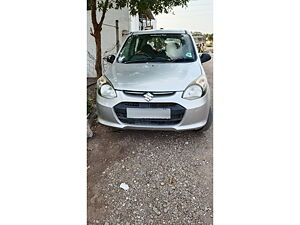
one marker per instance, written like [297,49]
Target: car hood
[153,76]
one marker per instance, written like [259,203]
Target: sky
[198,16]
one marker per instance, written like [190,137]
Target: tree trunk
[98,64]
[97,34]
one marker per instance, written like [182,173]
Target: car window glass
[157,48]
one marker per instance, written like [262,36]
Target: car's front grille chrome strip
[156,93]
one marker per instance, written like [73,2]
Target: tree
[135,7]
[210,37]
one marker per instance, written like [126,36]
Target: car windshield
[166,48]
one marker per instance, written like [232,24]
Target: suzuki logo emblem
[148,97]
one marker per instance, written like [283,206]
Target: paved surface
[169,174]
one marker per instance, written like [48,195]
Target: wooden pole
[117,35]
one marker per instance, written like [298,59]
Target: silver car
[156,82]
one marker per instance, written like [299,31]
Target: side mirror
[110,58]
[205,57]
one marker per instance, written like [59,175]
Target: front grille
[177,113]
[154,93]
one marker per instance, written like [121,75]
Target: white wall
[126,22]
[154,23]
[108,35]
[134,23]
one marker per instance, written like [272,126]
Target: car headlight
[105,89]
[202,81]
[196,90]
[192,92]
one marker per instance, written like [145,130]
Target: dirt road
[169,175]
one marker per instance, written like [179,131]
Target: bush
[90,105]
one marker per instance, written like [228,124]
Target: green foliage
[90,105]
[89,5]
[140,6]
[210,37]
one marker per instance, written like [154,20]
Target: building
[200,41]
[126,24]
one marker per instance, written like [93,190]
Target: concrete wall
[126,23]
[134,23]
[108,36]
[154,24]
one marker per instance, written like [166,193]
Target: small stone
[156,210]
[186,142]
[166,210]
[162,183]
[124,186]
[97,221]
[89,131]
[207,209]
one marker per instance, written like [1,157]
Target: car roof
[162,31]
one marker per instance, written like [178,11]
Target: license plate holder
[148,113]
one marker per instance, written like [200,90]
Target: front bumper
[195,115]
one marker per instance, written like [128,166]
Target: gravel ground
[169,174]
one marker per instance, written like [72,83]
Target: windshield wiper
[139,60]
[182,60]
[159,59]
